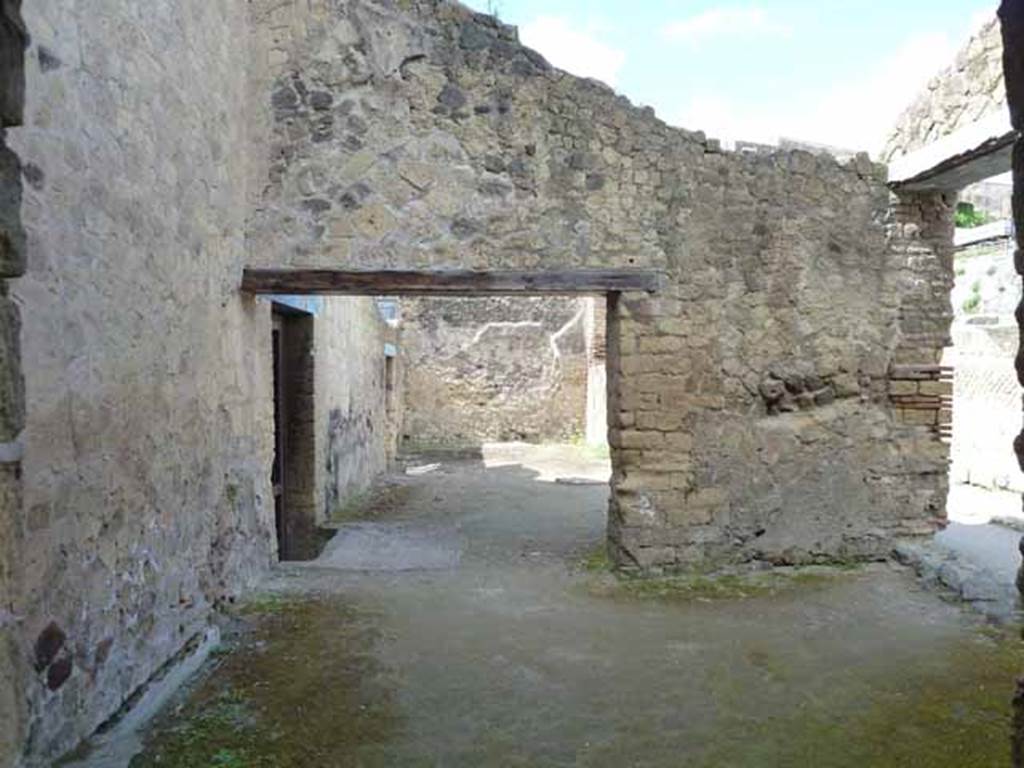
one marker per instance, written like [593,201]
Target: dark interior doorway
[292,473]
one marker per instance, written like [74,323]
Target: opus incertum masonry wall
[750,410]
[970,89]
[149,433]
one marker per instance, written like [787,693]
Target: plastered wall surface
[479,370]
[355,439]
[148,435]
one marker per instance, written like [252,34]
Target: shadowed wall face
[13,40]
[1011,13]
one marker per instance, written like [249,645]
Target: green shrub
[972,303]
[968,217]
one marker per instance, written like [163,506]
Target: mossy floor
[279,695]
[530,654]
[947,711]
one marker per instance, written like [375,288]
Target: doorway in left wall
[293,476]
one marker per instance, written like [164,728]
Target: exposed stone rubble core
[425,135]
[500,369]
[969,90]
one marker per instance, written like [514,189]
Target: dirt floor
[466,617]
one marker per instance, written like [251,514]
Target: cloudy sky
[831,71]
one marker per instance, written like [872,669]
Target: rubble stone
[787,267]
[970,89]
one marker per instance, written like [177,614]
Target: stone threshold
[943,570]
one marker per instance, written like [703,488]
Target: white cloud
[855,114]
[573,49]
[859,114]
[725,22]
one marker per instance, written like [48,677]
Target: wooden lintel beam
[444,282]
[976,163]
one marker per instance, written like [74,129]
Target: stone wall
[750,408]
[749,402]
[149,432]
[970,89]
[355,438]
[494,369]
[12,407]
[921,230]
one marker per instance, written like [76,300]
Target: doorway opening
[293,471]
[502,447]
[587,338]
[985,482]
[506,369]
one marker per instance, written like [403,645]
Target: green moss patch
[707,587]
[301,689]
[949,711]
[596,560]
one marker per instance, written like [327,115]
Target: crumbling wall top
[970,89]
